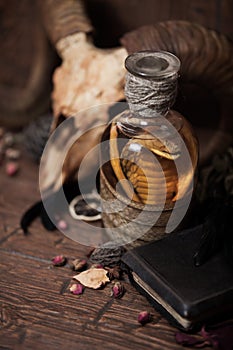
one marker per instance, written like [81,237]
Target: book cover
[165,272]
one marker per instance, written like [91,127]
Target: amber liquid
[153,162]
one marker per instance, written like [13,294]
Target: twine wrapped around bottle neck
[150,97]
[151,82]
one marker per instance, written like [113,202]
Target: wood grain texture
[37,311]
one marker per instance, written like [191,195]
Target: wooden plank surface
[37,311]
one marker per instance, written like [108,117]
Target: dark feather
[70,189]
[30,215]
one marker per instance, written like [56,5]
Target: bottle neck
[150,97]
[134,125]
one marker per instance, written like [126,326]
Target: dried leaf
[93,278]
[191,340]
[219,337]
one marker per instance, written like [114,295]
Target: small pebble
[12,168]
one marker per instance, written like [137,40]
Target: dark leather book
[190,296]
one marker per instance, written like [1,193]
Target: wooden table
[37,310]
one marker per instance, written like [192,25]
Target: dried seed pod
[114,272]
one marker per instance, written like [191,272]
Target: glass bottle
[149,154]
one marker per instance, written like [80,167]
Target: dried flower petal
[219,336]
[12,168]
[59,260]
[118,290]
[114,272]
[79,264]
[190,340]
[77,289]
[144,317]
[93,278]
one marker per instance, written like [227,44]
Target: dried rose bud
[144,317]
[79,264]
[62,225]
[118,290]
[12,168]
[77,289]
[59,260]
[114,272]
